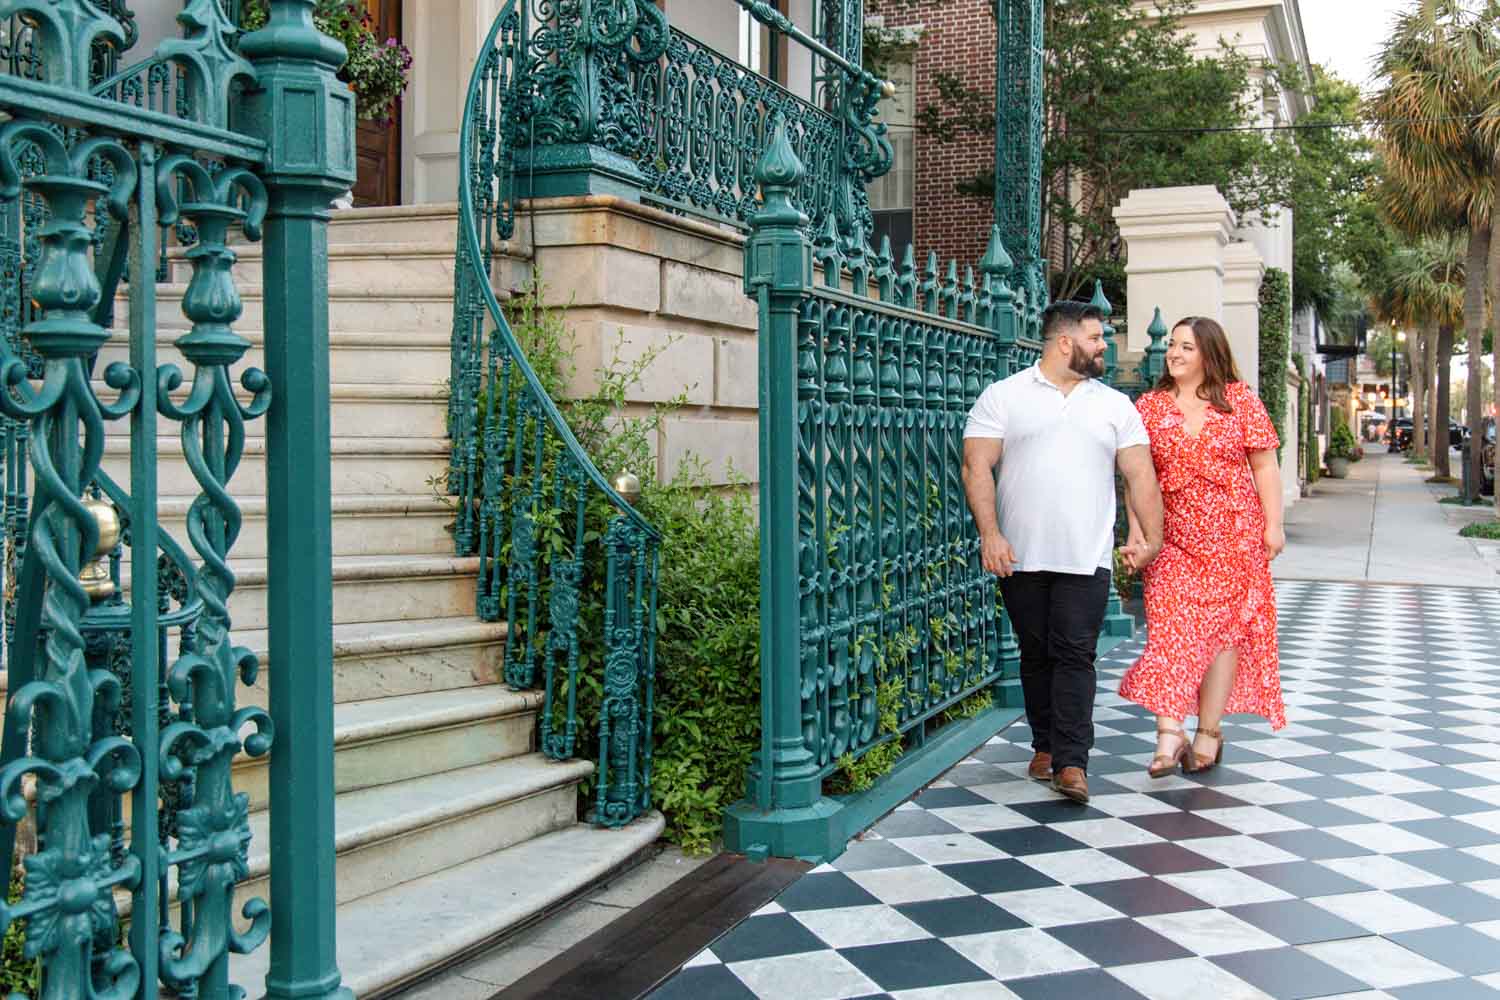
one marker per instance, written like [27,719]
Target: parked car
[1457,434]
[1487,458]
[1399,436]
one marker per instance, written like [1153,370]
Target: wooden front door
[379,144]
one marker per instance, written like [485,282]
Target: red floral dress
[1210,588]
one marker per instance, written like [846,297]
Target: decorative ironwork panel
[1018,145]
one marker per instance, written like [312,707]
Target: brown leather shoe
[1072,782]
[1041,767]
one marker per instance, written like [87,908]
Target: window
[893,197]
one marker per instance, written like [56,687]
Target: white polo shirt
[1056,489]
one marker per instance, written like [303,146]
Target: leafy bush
[376,71]
[1341,443]
[19,976]
[1275,342]
[1489,530]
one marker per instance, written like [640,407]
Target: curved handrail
[468,234]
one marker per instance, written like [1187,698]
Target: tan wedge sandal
[1195,763]
[1164,764]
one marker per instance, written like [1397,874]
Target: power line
[1293,127]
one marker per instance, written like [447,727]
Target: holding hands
[1138,551]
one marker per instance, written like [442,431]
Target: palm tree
[1438,69]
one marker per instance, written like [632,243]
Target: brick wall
[958,38]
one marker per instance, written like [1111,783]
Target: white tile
[1275,770]
[958,991]
[1010,792]
[771,908]
[1492,980]
[1490,927]
[1125,804]
[1108,833]
[1266,793]
[1378,962]
[1381,872]
[1080,867]
[1389,740]
[704,957]
[1019,953]
[1382,838]
[1490,887]
[853,926]
[1240,852]
[1485,821]
[1251,819]
[818,975]
[1386,760]
[1140,782]
[1282,749]
[1385,808]
[1211,932]
[948,848]
[1488,852]
[1185,977]
[1380,912]
[1053,906]
[909,885]
[1226,887]
[1389,783]
[1490,794]
[986,817]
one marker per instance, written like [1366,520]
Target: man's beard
[1088,367]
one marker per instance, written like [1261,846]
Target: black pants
[1057,617]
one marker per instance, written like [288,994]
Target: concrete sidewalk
[1384,525]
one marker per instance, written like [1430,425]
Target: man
[1057,433]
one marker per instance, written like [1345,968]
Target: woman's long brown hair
[1218,362]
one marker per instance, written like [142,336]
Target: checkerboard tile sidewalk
[1354,853]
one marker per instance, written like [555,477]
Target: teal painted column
[1118,626]
[306,117]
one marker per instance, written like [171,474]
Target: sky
[1345,35]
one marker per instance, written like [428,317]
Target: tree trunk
[1475,273]
[1475,376]
[1416,380]
[1442,463]
[1437,430]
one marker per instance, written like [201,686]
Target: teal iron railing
[122,689]
[549,529]
[876,615]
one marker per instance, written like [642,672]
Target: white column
[1175,239]
[1243,269]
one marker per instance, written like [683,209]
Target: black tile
[1448,989]
[1288,974]
[1333,743]
[909,965]
[1444,755]
[1058,810]
[1180,826]
[823,891]
[950,798]
[1319,815]
[1002,753]
[1333,726]
[1089,984]
[704,982]
[969,775]
[1461,949]
[766,937]
[1133,724]
[1112,765]
[1031,840]
[1305,879]
[913,823]
[1456,902]
[1297,922]
[1449,832]
[1005,875]
[1312,845]
[1118,942]
[1162,859]
[1143,897]
[1122,745]
[1194,799]
[1446,777]
[1326,788]
[865,855]
[948,918]
[1455,866]
[1447,803]
[1328,763]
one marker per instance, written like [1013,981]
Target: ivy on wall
[1300,363]
[1275,343]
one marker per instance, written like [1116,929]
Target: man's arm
[981,455]
[1142,503]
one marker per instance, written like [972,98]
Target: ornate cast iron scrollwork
[213,833]
[68,902]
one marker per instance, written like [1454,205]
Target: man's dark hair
[1067,315]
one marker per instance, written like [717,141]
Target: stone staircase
[451,830]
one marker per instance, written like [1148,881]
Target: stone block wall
[637,280]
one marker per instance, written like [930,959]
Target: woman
[1210,605]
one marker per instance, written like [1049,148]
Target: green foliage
[19,976]
[974,704]
[859,773]
[1489,530]
[1124,88]
[1275,343]
[376,70]
[1341,443]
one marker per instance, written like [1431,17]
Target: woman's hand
[1275,541]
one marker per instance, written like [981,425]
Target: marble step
[362,466]
[417,264]
[373,589]
[356,306]
[389,525]
[391,939]
[435,222]
[356,410]
[405,357]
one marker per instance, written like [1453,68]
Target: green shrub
[1275,342]
[19,976]
[1341,443]
[1484,529]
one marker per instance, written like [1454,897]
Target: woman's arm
[1267,474]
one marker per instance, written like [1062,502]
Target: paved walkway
[1355,853]
[1384,525]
